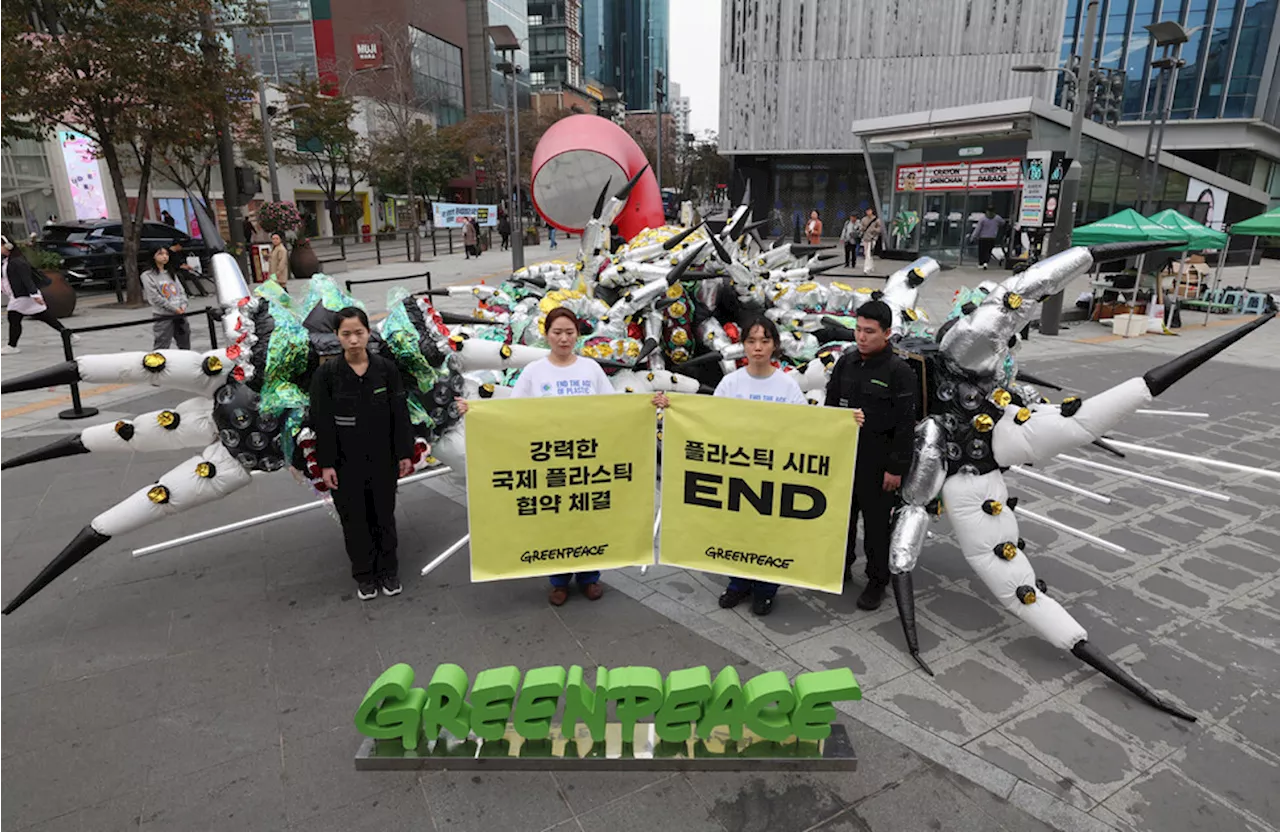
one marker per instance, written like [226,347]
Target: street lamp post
[507,44]
[1060,236]
[268,139]
[1166,33]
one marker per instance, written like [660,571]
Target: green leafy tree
[317,133]
[129,74]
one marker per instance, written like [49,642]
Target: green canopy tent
[1127,226]
[1199,238]
[1263,225]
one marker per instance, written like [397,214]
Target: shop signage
[1058,166]
[684,705]
[971,151]
[368,51]
[983,175]
[451,214]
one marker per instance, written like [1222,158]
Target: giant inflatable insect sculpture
[661,312]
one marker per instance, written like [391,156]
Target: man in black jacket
[880,387]
[363,445]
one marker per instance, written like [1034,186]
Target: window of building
[437,76]
[535,20]
[537,79]
[1251,55]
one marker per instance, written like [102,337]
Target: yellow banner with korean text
[757,490]
[560,484]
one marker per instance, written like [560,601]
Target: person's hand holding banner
[743,495]
[560,485]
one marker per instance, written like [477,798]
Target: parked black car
[94,249]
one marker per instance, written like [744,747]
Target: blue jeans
[584,578]
[551,236]
[760,589]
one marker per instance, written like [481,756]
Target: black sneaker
[367,590]
[732,597]
[871,596]
[761,606]
[390,586]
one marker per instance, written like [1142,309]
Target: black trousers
[850,254]
[15,323]
[875,505]
[985,244]
[368,514]
[170,328]
[506,241]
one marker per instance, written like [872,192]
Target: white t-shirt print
[779,387]
[581,378]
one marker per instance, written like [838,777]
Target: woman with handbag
[21,285]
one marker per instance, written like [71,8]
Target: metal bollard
[408,248]
[342,244]
[213,314]
[377,247]
[77,411]
[451,241]
[434,253]
[428,281]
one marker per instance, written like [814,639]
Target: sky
[693,59]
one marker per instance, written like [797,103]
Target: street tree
[406,154]
[317,133]
[130,76]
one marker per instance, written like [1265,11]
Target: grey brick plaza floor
[213,687]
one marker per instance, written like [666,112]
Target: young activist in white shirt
[562,373]
[762,382]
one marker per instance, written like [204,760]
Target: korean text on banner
[741,496]
[560,485]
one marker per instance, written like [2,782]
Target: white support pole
[1189,414]
[446,554]
[1063,527]
[1176,486]
[1074,489]
[657,526]
[1204,460]
[266,518]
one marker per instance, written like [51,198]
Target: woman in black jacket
[25,299]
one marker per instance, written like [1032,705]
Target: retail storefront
[948,166]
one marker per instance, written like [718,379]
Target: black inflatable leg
[77,550]
[1095,658]
[904,593]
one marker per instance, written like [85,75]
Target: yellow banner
[757,490]
[560,485]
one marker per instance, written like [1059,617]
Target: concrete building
[822,108]
[555,43]
[624,44]
[678,106]
[487,85]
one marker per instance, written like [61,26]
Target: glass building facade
[285,48]
[513,13]
[624,43]
[437,76]
[1224,57]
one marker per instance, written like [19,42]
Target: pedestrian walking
[278,261]
[551,234]
[986,232]
[813,231]
[469,237]
[759,381]
[248,229]
[880,388]
[849,235]
[504,230]
[871,229]
[163,291]
[21,285]
[562,373]
[189,276]
[167,219]
[363,446]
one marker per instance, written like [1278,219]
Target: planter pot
[59,295]
[303,262]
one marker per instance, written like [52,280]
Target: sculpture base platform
[558,753]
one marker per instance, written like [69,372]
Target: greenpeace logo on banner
[564,554]
[684,705]
[768,561]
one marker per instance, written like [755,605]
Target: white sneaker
[8,350]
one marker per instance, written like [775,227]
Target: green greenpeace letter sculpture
[392,708]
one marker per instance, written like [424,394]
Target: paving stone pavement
[212,687]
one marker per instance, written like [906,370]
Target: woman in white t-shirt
[759,381]
[563,373]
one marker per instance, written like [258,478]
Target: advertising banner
[560,484]
[451,214]
[768,505]
[1214,199]
[980,175]
[1035,187]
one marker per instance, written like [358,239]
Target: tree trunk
[413,211]
[131,229]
